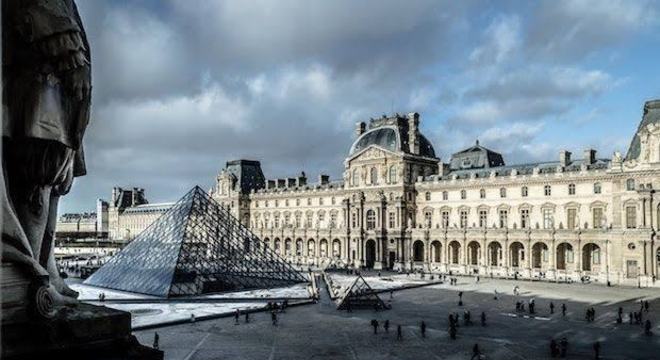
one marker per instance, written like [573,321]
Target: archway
[267,242]
[454,252]
[323,248]
[590,257]
[418,250]
[564,255]
[473,253]
[299,247]
[436,251]
[370,253]
[287,246]
[517,254]
[277,246]
[494,254]
[336,248]
[539,254]
[311,248]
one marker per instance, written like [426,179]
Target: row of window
[524,192]
[266,203]
[285,220]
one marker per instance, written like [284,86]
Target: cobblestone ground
[320,332]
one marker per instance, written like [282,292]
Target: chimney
[115,195]
[270,184]
[589,156]
[291,182]
[564,158]
[302,179]
[324,179]
[281,183]
[413,133]
[134,197]
[360,128]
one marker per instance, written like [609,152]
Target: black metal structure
[196,247]
[360,295]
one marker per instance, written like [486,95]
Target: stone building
[400,206]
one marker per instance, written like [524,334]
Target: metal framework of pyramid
[360,295]
[196,247]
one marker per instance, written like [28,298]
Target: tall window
[502,192]
[631,217]
[333,220]
[598,218]
[445,195]
[524,218]
[463,194]
[571,216]
[309,220]
[287,219]
[392,219]
[428,219]
[547,190]
[482,193]
[393,174]
[548,219]
[298,202]
[298,219]
[630,184]
[504,218]
[333,200]
[427,196]
[445,219]
[571,189]
[354,220]
[309,201]
[320,201]
[371,219]
[524,191]
[373,176]
[464,218]
[276,221]
[355,177]
[597,188]
[483,218]
[321,218]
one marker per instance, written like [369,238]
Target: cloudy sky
[182,86]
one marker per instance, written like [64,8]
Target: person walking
[423,328]
[460,298]
[552,308]
[597,350]
[387,326]
[374,323]
[475,352]
[483,318]
[237,314]
[563,344]
[554,348]
[563,309]
[647,327]
[646,305]
[399,335]
[247,317]
[156,339]
[273,317]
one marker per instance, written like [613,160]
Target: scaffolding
[196,247]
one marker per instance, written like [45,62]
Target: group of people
[399,331]
[590,315]
[559,349]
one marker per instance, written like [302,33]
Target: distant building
[400,206]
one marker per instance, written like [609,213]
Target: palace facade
[400,206]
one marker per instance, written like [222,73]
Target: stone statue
[46,102]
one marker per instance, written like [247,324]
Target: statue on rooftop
[46,74]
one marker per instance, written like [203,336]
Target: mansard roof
[475,157]
[391,133]
[248,174]
[651,116]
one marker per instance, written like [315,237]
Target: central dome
[385,137]
[389,138]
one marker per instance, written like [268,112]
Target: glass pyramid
[359,296]
[196,247]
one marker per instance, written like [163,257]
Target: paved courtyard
[319,331]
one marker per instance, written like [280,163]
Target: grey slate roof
[651,116]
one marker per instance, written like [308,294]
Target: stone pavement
[319,331]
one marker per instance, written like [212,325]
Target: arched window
[597,188]
[524,191]
[355,177]
[463,194]
[502,192]
[392,174]
[373,176]
[371,219]
[571,189]
[547,190]
[630,184]
[482,193]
